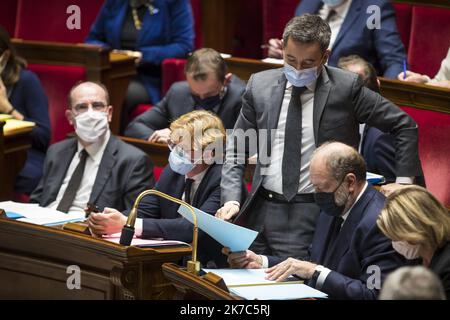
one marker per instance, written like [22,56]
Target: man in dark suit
[376,147]
[208,87]
[194,179]
[95,166]
[353,32]
[350,256]
[329,104]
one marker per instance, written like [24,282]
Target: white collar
[95,150]
[345,216]
[340,10]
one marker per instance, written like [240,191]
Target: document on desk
[146,243]
[374,178]
[252,284]
[235,237]
[33,213]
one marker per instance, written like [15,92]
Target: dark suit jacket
[383,47]
[169,33]
[162,220]
[124,172]
[378,150]
[359,246]
[341,102]
[178,101]
[440,264]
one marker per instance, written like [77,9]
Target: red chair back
[8,11]
[46,20]
[403,13]
[197,13]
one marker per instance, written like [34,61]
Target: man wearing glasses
[95,167]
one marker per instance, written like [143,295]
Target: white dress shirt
[272,179]
[444,71]
[95,153]
[138,226]
[336,20]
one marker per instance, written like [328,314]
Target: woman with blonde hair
[419,227]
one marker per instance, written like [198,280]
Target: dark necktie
[332,237]
[330,15]
[74,184]
[187,190]
[292,145]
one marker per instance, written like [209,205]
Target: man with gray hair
[412,283]
[349,254]
[294,110]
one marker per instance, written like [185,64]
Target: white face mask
[409,251]
[91,125]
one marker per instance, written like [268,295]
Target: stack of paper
[33,213]
[145,243]
[373,178]
[251,284]
[13,125]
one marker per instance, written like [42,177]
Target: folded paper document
[14,125]
[251,284]
[229,235]
[373,178]
[145,243]
[33,213]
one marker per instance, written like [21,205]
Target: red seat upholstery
[434,130]
[57,81]
[197,13]
[172,71]
[430,39]
[403,14]
[8,10]
[45,20]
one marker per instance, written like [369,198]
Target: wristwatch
[317,270]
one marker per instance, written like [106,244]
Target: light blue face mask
[333,3]
[179,163]
[300,78]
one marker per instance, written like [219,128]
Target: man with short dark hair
[350,256]
[208,87]
[299,107]
[94,167]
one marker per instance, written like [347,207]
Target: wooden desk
[34,261]
[13,154]
[401,93]
[114,70]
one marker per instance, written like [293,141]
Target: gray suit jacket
[124,172]
[341,102]
[178,101]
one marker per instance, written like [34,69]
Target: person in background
[193,175]
[95,167]
[151,31]
[22,97]
[412,283]
[377,147]
[441,79]
[350,33]
[209,87]
[347,243]
[419,227]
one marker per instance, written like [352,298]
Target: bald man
[349,255]
[94,167]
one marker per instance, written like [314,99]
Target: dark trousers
[285,229]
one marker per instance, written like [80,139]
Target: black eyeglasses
[83,107]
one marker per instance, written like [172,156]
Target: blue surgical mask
[333,3]
[300,78]
[179,162]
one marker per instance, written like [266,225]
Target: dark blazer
[360,246]
[341,102]
[169,33]
[440,265]
[383,47]
[162,220]
[124,172]
[179,101]
[28,97]
[378,150]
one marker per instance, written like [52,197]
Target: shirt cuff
[138,226]
[322,277]
[265,261]
[404,180]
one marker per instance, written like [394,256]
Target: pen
[404,69]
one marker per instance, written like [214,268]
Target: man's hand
[160,136]
[412,77]
[109,222]
[290,266]
[442,84]
[275,48]
[228,211]
[387,189]
[243,259]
